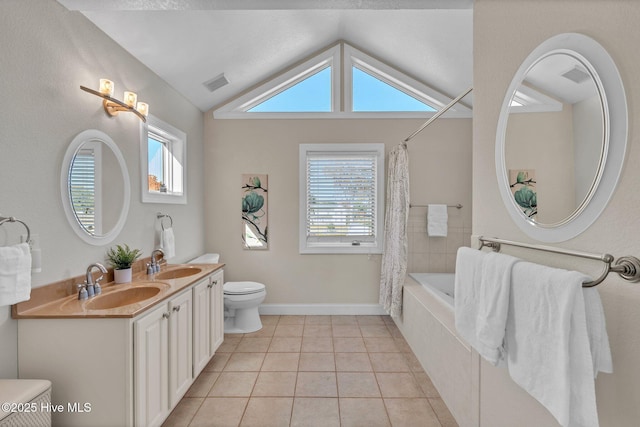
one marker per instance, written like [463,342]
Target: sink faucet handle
[82,291]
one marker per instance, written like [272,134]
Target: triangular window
[312,94]
[341,81]
[372,94]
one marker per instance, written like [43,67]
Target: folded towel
[167,243]
[469,264]
[437,218]
[493,305]
[547,344]
[15,274]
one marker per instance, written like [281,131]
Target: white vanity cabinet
[208,319]
[131,371]
[162,359]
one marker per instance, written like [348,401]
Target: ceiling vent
[216,82]
[577,75]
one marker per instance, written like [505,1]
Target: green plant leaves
[121,257]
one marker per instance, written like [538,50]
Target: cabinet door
[151,352]
[201,319]
[216,299]
[180,346]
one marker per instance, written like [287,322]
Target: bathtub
[428,325]
[439,284]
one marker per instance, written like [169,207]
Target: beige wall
[505,32]
[440,168]
[47,52]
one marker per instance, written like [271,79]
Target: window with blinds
[341,188]
[82,188]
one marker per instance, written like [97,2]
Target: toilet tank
[206,259]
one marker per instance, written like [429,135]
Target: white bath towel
[167,243]
[493,305]
[15,274]
[469,264]
[597,330]
[437,221]
[547,344]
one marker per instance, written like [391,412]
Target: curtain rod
[438,114]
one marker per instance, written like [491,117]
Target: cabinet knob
[210,285]
[166,315]
[215,282]
[176,308]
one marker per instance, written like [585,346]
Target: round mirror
[561,138]
[94,185]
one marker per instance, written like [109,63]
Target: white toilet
[241,301]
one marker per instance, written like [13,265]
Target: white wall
[46,53]
[440,168]
[504,34]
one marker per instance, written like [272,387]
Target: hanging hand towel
[437,219]
[15,274]
[167,243]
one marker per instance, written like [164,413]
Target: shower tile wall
[436,254]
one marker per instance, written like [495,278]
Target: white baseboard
[321,309]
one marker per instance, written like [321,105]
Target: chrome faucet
[90,288]
[90,276]
[155,265]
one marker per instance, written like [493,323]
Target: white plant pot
[122,276]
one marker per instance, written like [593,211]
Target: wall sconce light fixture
[113,106]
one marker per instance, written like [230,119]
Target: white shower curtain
[394,259]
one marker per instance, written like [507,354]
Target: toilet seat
[242,288]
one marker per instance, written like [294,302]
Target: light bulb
[143,108]
[106,87]
[130,99]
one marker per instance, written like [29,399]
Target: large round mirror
[561,138]
[95,187]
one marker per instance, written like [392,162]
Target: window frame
[238,108]
[340,246]
[341,57]
[176,142]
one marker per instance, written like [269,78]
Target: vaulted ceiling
[189,42]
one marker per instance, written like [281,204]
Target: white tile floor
[314,371]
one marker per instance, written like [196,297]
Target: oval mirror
[95,187]
[561,138]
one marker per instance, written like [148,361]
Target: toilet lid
[242,288]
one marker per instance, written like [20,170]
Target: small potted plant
[121,258]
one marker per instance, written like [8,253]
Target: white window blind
[82,188]
[341,196]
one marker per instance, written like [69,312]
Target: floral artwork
[254,211]
[523,188]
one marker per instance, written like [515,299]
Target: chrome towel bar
[14,219]
[628,267]
[161,216]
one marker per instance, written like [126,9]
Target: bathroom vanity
[127,365]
